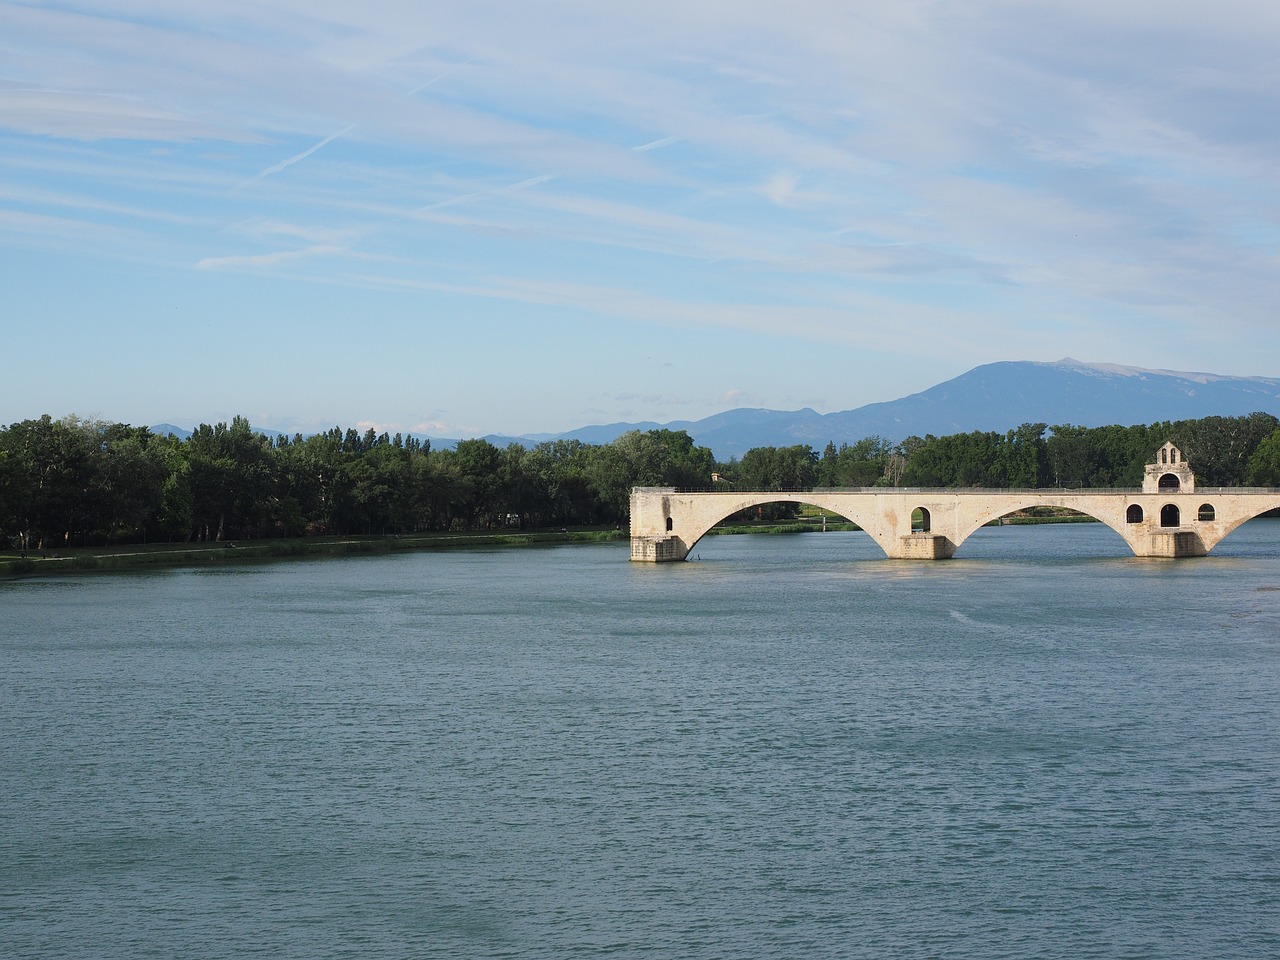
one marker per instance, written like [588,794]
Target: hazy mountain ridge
[1000,396]
[995,396]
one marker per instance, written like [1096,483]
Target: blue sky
[460,219]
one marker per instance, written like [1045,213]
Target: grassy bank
[154,556]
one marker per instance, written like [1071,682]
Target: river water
[787,747]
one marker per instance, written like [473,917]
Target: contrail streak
[478,194]
[655,144]
[440,76]
[301,156]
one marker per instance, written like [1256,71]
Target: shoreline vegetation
[88,494]
[40,563]
[168,555]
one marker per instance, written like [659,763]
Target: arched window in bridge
[1133,514]
[1170,516]
[669,522]
[1206,512]
[919,520]
[1170,482]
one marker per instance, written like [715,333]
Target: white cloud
[87,116]
[781,188]
[263,260]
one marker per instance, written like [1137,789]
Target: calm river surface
[790,747]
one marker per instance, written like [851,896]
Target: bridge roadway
[666,523]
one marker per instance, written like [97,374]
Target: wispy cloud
[79,115]
[947,182]
[265,260]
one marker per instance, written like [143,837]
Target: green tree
[1264,465]
[53,480]
[311,475]
[134,468]
[376,493]
[231,478]
[1023,460]
[478,463]
[828,466]
[174,517]
[777,468]
[1073,456]
[653,458]
[561,468]
[1219,448]
[861,464]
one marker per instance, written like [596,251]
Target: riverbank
[152,556]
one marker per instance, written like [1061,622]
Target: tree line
[83,482]
[1223,452]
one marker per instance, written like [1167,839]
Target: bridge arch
[1228,526]
[1115,518]
[866,518]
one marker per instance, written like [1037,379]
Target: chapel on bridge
[1167,517]
[1170,473]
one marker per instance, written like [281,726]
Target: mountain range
[995,396]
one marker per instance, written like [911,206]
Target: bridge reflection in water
[1167,517]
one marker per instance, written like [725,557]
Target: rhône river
[789,747]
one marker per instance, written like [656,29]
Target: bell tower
[1170,473]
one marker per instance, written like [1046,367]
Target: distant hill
[995,396]
[167,429]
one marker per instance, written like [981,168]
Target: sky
[460,219]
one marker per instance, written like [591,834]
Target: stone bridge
[1166,517]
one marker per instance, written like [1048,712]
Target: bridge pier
[1175,543]
[925,546]
[658,549]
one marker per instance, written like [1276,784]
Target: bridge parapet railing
[1227,491]
[961,491]
[894,491]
